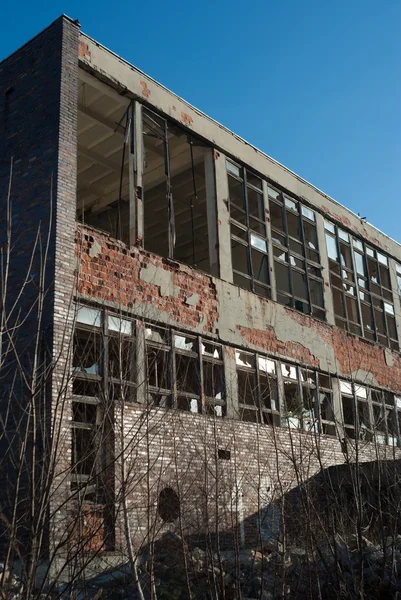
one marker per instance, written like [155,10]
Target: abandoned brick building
[225,313]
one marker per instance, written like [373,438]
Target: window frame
[288,246]
[256,285]
[173,397]
[373,301]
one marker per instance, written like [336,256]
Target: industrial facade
[211,318]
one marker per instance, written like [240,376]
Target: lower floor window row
[186,372]
[279,393]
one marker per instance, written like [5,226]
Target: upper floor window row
[294,240]
[361,287]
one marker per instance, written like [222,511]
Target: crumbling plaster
[241,309]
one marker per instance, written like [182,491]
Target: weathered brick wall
[111,273]
[35,115]
[180,450]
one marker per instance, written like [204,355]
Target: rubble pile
[340,568]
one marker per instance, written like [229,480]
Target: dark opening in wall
[223,454]
[168,505]
[175,192]
[103,157]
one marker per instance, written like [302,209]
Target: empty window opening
[175,194]
[296,255]
[105,132]
[223,454]
[168,505]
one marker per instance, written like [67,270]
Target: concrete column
[230,377]
[338,413]
[223,218]
[211,208]
[269,243]
[324,261]
[396,296]
[141,376]
[136,225]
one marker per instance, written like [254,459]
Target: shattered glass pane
[89,316]
[157,334]
[184,342]
[291,204]
[274,193]
[289,371]
[87,352]
[209,349]
[244,359]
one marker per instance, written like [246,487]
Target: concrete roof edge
[240,138]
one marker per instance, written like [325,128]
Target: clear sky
[314,84]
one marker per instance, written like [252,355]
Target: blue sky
[314,84]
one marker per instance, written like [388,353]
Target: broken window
[257,388]
[360,282]
[187,373]
[159,365]
[184,371]
[299,397]
[296,255]
[103,371]
[326,405]
[104,137]
[121,358]
[385,412]
[248,230]
[168,505]
[213,378]
[174,192]
[356,414]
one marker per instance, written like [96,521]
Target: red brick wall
[112,274]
